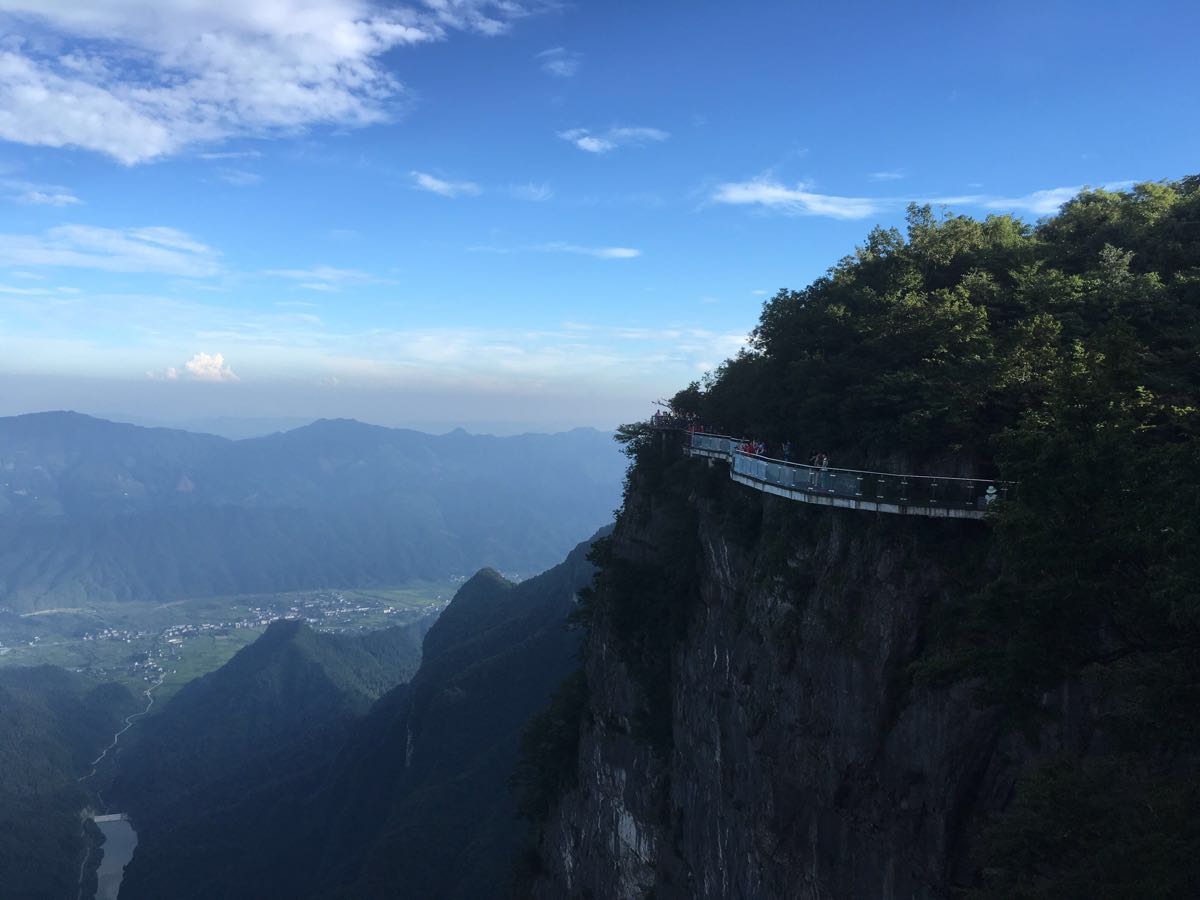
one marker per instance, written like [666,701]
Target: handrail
[935,495]
[788,462]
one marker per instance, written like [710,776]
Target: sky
[511,215]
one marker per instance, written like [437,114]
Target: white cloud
[1040,203]
[39,194]
[231,154]
[208,367]
[767,193]
[889,175]
[427,182]
[798,200]
[24,292]
[564,247]
[613,138]
[146,78]
[239,177]
[531,191]
[41,198]
[597,252]
[324,278]
[158,249]
[559,62]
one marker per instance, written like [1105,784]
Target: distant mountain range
[92,510]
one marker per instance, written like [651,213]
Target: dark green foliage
[549,753]
[98,511]
[1104,829]
[1065,356]
[645,602]
[52,724]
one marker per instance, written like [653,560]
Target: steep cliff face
[801,758]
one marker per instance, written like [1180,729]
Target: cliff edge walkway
[907,495]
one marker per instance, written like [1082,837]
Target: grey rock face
[804,763]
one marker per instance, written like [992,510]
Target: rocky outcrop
[804,761]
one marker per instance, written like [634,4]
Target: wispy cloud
[145,79]
[798,201]
[434,185]
[565,247]
[888,175]
[597,252]
[613,138]
[24,292]
[324,278]
[239,177]
[41,198]
[531,192]
[1040,203]
[766,193]
[231,154]
[33,194]
[157,249]
[559,62]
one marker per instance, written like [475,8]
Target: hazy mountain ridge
[99,511]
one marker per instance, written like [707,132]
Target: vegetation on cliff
[1063,355]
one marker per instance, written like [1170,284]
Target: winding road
[129,721]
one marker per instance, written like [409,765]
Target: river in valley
[120,840]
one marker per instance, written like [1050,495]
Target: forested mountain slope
[292,685]
[263,781]
[93,511]
[52,724]
[784,699]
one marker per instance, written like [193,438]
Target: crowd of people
[691,423]
[688,422]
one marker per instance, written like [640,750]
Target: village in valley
[172,643]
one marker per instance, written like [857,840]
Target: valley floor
[174,643]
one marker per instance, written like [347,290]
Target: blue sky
[516,214]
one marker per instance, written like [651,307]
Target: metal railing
[877,488]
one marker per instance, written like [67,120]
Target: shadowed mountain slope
[410,799]
[52,724]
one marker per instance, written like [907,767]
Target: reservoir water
[120,840]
